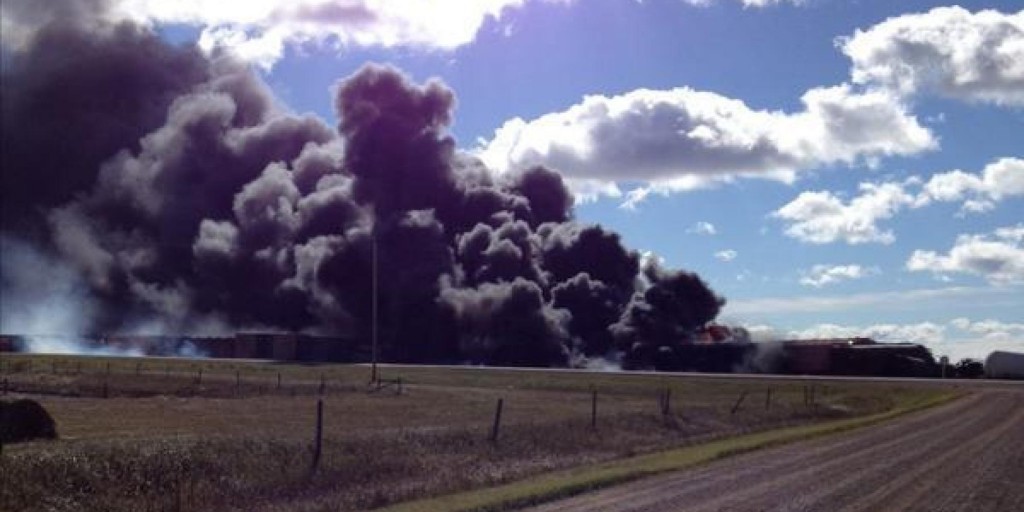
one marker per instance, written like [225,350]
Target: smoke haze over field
[152,188]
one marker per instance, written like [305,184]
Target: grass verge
[561,484]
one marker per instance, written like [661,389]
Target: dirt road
[964,456]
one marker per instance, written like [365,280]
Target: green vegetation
[164,439]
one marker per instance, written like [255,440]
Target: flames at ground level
[853,356]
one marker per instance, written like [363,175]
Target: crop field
[177,434]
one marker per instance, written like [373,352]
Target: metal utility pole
[374,376]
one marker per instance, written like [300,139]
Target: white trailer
[1005,365]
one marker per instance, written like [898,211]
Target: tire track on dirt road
[963,456]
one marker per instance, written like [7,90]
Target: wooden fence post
[238,382]
[199,377]
[318,440]
[279,381]
[593,407]
[738,402]
[497,421]
[768,399]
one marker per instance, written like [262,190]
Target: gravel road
[966,456]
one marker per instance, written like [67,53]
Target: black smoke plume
[180,197]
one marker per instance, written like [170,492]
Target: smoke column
[171,193]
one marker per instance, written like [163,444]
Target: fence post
[318,440]
[666,407]
[5,385]
[199,377]
[593,407]
[279,381]
[238,382]
[768,399]
[497,421]
[738,402]
[812,395]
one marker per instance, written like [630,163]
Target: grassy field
[212,435]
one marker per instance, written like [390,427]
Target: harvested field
[165,438]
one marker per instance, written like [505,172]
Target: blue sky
[799,155]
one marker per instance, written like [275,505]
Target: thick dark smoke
[671,309]
[177,196]
[74,98]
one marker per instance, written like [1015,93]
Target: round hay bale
[25,420]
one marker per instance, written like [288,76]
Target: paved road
[963,456]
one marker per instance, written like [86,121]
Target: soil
[963,456]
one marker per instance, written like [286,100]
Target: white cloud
[947,51]
[821,217]
[990,329]
[999,180]
[822,275]
[726,255]
[683,139]
[702,228]
[999,258]
[260,30]
[923,332]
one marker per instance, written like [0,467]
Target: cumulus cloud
[823,275]
[998,257]
[822,217]
[990,329]
[683,139]
[977,192]
[726,255]
[948,51]
[260,30]
[702,228]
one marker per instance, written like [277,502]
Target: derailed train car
[854,356]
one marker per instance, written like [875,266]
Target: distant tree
[969,368]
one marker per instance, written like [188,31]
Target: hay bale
[25,420]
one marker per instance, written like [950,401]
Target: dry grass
[163,441]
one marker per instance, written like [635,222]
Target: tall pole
[373,357]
